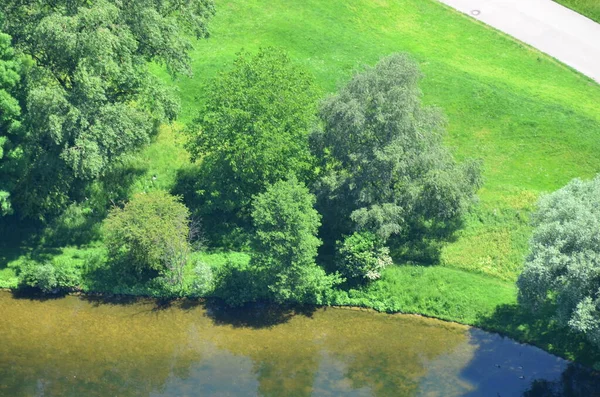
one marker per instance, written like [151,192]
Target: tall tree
[385,167]
[253,130]
[285,243]
[563,266]
[10,111]
[89,97]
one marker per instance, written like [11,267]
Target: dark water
[85,347]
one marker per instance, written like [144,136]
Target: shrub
[149,236]
[285,243]
[50,277]
[563,266]
[203,282]
[363,256]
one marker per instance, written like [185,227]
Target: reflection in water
[81,347]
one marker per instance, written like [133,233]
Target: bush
[285,243]
[563,266]
[150,236]
[203,283]
[50,277]
[363,256]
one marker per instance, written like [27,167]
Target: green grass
[533,121]
[589,8]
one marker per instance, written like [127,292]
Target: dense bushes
[563,267]
[50,277]
[150,236]
[362,256]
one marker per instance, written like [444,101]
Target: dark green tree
[88,98]
[253,130]
[385,167]
[285,243]
[10,111]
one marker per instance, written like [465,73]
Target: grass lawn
[589,8]
[534,122]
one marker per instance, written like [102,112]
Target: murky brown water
[84,347]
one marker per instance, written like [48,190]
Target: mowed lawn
[534,122]
[589,8]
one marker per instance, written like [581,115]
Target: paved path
[556,30]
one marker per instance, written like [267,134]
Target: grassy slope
[534,122]
[589,8]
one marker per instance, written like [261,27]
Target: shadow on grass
[539,329]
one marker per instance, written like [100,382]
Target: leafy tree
[150,236]
[10,110]
[253,130]
[385,167]
[563,266]
[363,256]
[285,243]
[88,97]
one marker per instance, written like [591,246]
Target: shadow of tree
[254,315]
[540,329]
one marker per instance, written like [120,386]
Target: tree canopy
[285,243]
[10,110]
[88,97]
[253,130]
[563,266]
[385,167]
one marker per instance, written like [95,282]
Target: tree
[385,167]
[253,130]
[285,243]
[88,98]
[10,110]
[563,266]
[362,256]
[150,236]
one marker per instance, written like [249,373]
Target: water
[77,346]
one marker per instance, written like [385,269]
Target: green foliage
[285,243]
[150,236]
[50,277]
[203,282]
[563,266]
[386,169]
[88,96]
[10,111]
[362,256]
[253,130]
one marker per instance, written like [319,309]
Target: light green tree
[385,167]
[563,266]
[150,236]
[285,243]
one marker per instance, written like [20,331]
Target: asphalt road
[556,30]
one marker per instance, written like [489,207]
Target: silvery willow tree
[385,168]
[563,266]
[87,97]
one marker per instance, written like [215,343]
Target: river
[87,346]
